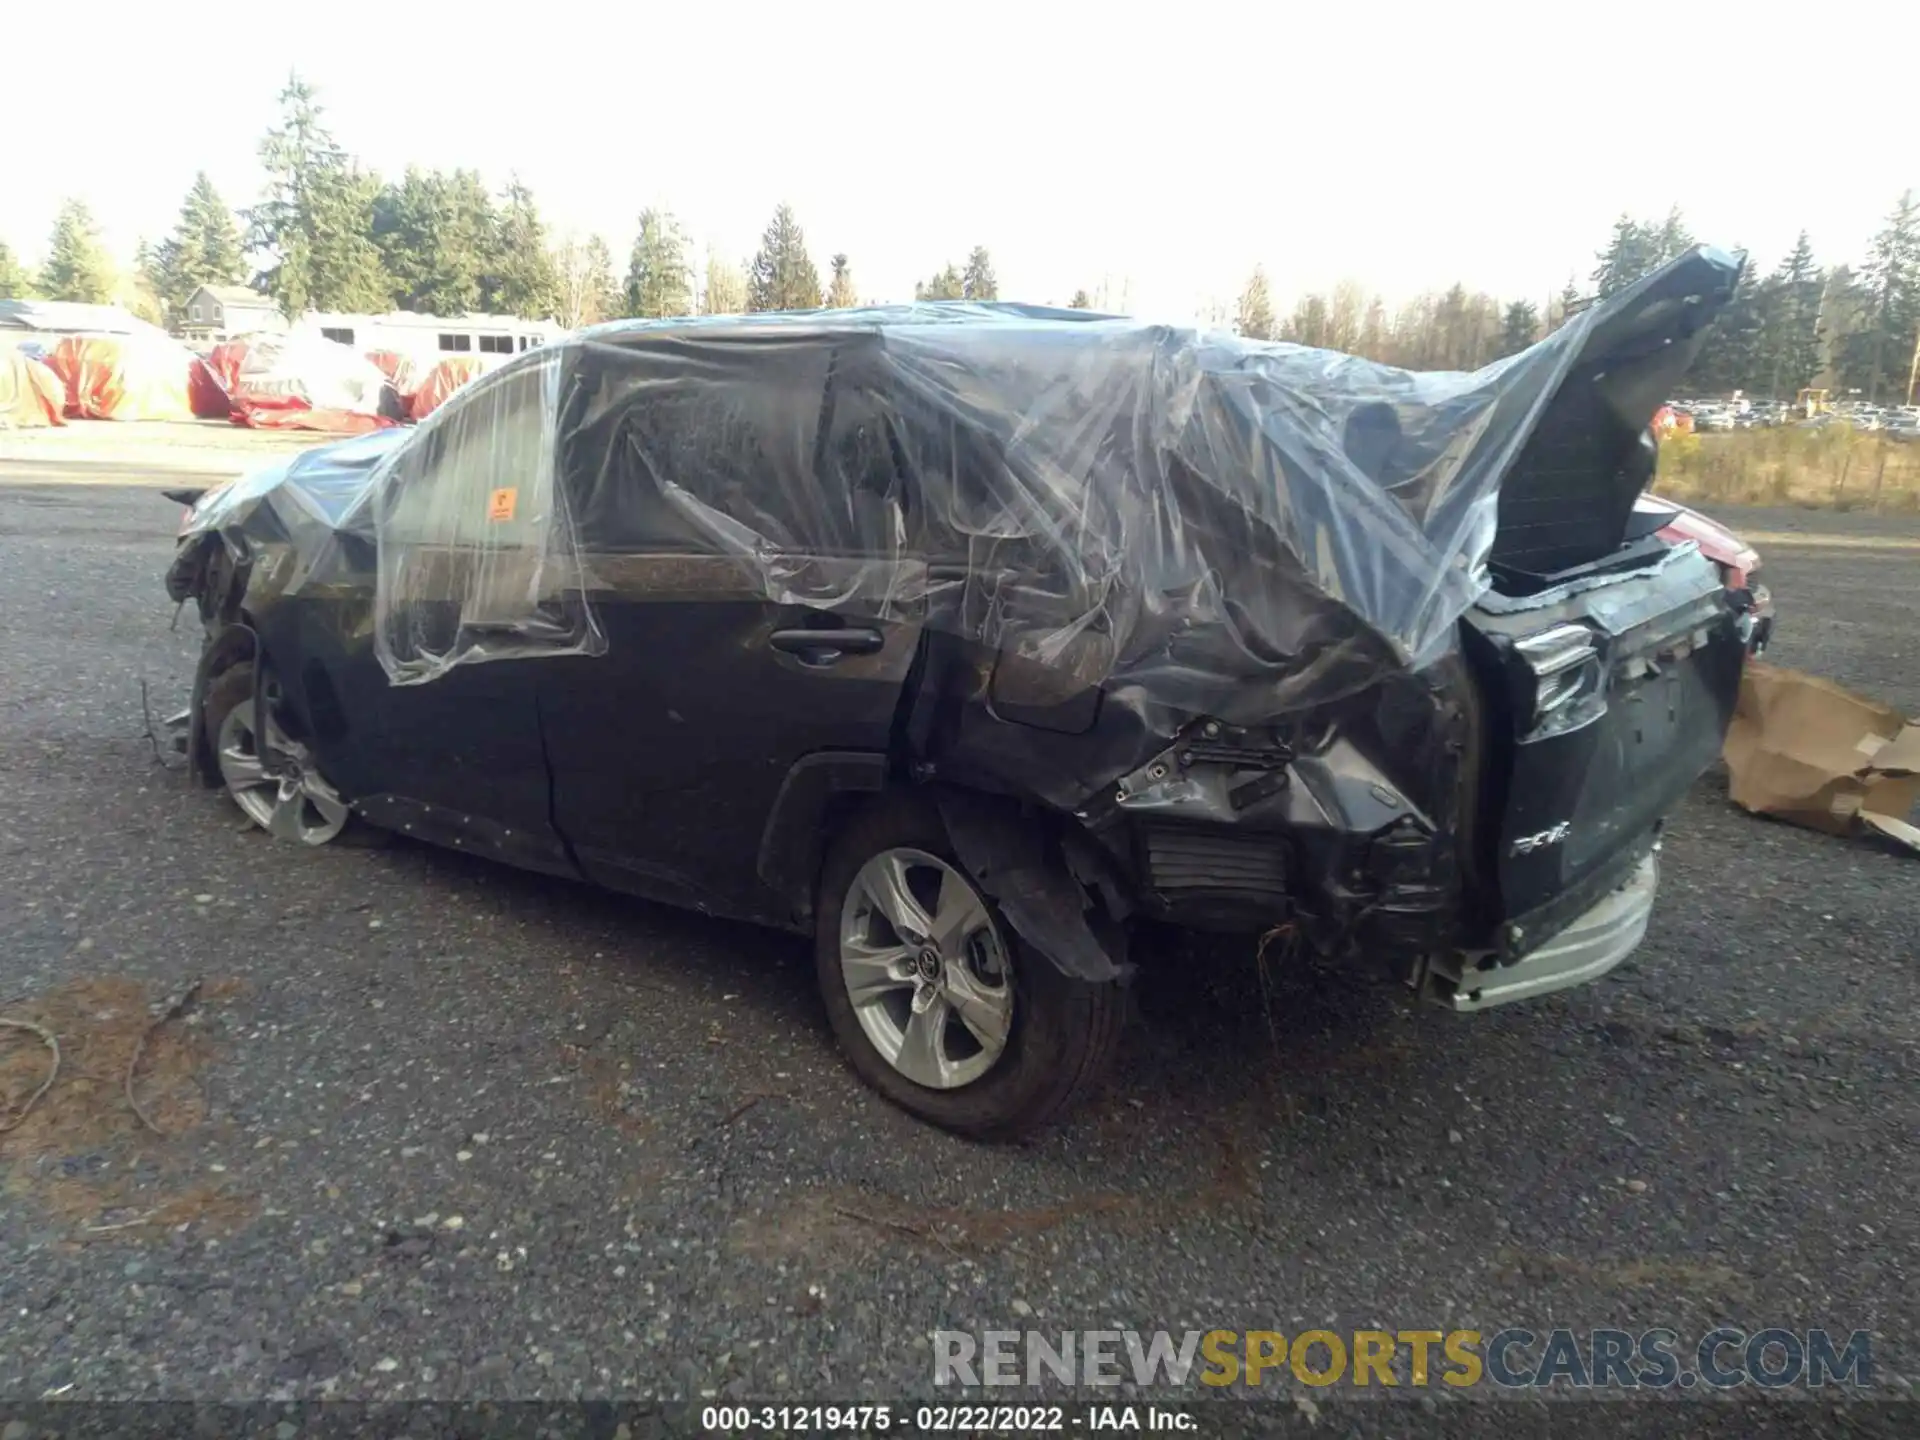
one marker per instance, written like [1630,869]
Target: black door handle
[823,647]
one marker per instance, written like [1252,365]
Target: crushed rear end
[1486,819]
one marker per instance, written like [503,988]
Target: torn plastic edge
[1043,902]
[1499,604]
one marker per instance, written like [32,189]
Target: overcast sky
[1167,147]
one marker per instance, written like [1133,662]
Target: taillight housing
[1557,679]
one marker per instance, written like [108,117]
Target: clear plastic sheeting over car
[1205,522]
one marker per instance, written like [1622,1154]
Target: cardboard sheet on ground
[1807,750]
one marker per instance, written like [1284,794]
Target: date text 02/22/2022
[942,1419]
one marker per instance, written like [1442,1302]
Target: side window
[496,344]
[456,344]
[476,555]
[861,474]
[468,508]
[343,335]
[448,489]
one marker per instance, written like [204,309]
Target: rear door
[739,542]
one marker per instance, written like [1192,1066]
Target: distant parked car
[1736,561]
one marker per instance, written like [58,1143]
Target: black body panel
[669,751]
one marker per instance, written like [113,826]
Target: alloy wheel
[296,804]
[930,978]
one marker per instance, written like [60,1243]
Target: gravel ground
[438,1129]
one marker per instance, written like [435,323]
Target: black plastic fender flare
[1009,858]
[791,842]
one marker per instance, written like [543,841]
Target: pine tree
[520,279]
[1628,255]
[1566,305]
[948,284]
[15,282]
[1730,354]
[77,267]
[603,291]
[407,219]
[725,292]
[1255,317]
[1308,324]
[204,249]
[439,242]
[1669,240]
[1878,355]
[659,273]
[316,218]
[783,277]
[1793,344]
[979,281]
[139,291]
[1842,313]
[1081,301]
[1518,328]
[840,294]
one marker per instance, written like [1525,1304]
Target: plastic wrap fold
[1215,524]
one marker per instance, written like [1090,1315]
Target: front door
[455,755]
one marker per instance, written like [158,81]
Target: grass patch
[1833,468]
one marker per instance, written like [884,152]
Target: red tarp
[398,369]
[284,413]
[31,395]
[442,380]
[134,377]
[301,382]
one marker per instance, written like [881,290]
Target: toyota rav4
[960,637]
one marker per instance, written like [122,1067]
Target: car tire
[1063,1033]
[321,817]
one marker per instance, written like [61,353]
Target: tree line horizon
[331,236]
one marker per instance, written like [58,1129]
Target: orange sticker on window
[500,504]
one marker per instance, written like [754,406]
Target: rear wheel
[295,804]
[934,999]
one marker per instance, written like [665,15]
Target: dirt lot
[165,452]
[436,1129]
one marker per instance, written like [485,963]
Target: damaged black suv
[959,637]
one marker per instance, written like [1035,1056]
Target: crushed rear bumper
[1597,940]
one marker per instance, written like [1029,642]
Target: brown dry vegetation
[81,1153]
[1837,467]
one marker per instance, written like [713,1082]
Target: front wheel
[935,1001]
[292,802]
